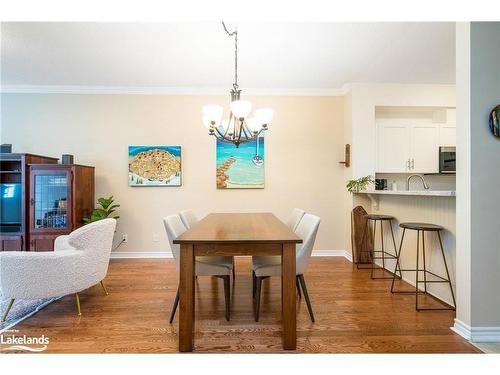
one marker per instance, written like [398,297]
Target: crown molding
[136,90]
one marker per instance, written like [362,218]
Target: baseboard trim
[476,334]
[333,253]
[461,329]
[168,255]
[485,334]
[141,255]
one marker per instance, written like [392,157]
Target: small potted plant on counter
[355,186]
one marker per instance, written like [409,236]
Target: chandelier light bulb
[206,122]
[213,112]
[253,124]
[241,108]
[264,115]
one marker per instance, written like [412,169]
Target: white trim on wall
[461,329]
[141,255]
[168,254]
[476,334]
[138,90]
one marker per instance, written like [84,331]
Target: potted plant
[355,186]
[104,211]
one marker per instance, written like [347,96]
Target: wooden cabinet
[61,196]
[11,243]
[14,195]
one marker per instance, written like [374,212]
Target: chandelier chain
[235,34]
[237,129]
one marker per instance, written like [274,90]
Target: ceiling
[200,55]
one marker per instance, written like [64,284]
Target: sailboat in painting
[257,160]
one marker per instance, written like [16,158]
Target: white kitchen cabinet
[448,130]
[407,146]
[393,147]
[447,135]
[424,149]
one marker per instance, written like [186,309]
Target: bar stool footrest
[442,279]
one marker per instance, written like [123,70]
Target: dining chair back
[307,230]
[295,218]
[267,266]
[188,218]
[205,266]
[174,228]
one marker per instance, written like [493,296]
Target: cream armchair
[79,261]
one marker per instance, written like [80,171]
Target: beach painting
[154,166]
[242,167]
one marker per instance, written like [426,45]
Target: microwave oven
[447,159]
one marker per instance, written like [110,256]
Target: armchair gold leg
[11,302]
[104,288]
[77,300]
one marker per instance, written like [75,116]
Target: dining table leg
[288,297]
[186,296]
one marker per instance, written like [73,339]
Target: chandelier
[239,127]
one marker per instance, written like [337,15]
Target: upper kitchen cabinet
[448,130]
[424,148]
[408,140]
[394,144]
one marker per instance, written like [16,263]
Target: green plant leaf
[105,210]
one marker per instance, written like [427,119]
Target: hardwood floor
[353,315]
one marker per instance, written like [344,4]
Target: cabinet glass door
[50,201]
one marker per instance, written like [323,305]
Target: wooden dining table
[237,234]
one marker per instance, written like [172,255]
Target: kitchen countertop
[425,193]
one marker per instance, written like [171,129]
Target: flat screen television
[10,204]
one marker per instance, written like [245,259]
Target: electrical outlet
[125,238]
[156,238]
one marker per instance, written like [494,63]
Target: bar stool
[385,254]
[423,227]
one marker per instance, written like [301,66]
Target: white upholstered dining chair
[295,218]
[218,266]
[188,218]
[267,266]
[79,261]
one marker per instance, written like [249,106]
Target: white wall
[485,175]
[463,265]
[303,148]
[479,208]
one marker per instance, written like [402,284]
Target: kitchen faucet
[416,175]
